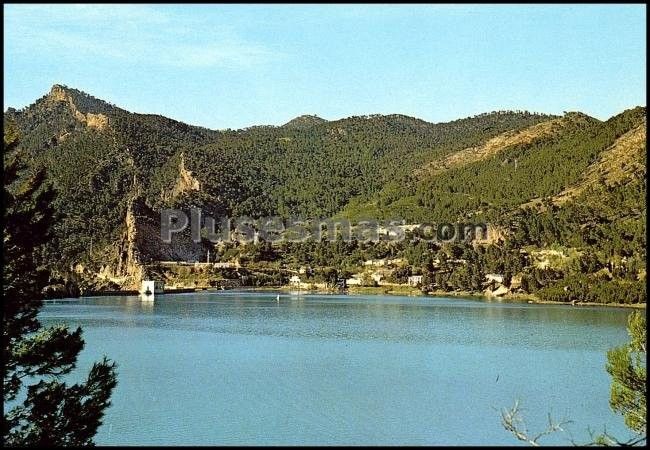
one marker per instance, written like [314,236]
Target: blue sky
[232,66]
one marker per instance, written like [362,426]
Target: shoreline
[414,292]
[395,290]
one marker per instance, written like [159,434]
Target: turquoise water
[240,368]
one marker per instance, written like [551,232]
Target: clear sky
[232,66]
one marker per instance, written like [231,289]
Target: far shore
[397,290]
[411,291]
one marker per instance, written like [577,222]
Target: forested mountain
[113,170]
[304,122]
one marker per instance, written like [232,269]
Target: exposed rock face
[616,164]
[141,245]
[148,244]
[498,292]
[97,121]
[59,94]
[499,143]
[184,183]
[129,265]
[494,234]
[515,282]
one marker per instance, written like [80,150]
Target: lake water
[240,368]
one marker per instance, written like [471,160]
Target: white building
[354,281]
[396,262]
[414,280]
[494,277]
[375,262]
[152,287]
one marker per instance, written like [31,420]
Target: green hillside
[292,170]
[512,175]
[570,182]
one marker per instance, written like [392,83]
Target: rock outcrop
[184,183]
[59,94]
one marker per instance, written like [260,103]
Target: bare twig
[513,422]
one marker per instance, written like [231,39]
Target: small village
[379,275]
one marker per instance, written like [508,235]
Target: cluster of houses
[493,284]
[377,277]
[375,272]
[214,265]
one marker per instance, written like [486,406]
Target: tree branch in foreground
[513,422]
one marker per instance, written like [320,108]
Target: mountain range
[114,170]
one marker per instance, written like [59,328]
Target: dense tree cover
[308,170]
[627,367]
[313,169]
[316,171]
[608,218]
[607,223]
[591,276]
[507,179]
[40,409]
[604,228]
[583,288]
[364,166]
[91,196]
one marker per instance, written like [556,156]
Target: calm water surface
[240,368]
